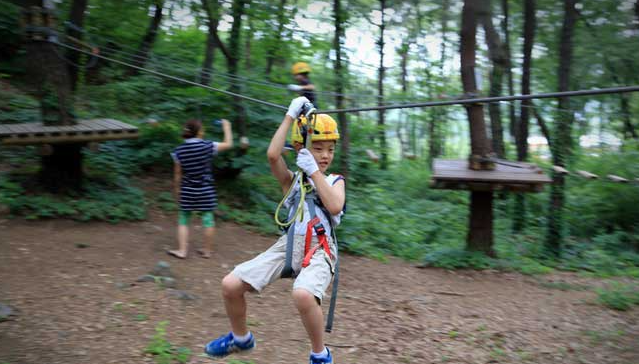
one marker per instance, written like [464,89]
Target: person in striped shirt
[194,184]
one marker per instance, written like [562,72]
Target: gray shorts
[267,267]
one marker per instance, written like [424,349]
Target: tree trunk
[380,91]
[340,16]
[509,74]
[480,232]
[561,147]
[247,44]
[405,141]
[142,54]
[237,11]
[498,58]
[273,47]
[211,7]
[629,131]
[62,169]
[521,129]
[76,17]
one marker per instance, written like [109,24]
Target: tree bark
[76,17]
[211,8]
[62,169]
[562,145]
[480,232]
[272,50]
[237,11]
[498,57]
[142,55]
[521,129]
[629,131]
[380,91]
[509,74]
[247,44]
[340,15]
[479,141]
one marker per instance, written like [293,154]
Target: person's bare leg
[207,247]
[233,290]
[183,242]
[312,317]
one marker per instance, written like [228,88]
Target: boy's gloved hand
[306,162]
[294,87]
[295,108]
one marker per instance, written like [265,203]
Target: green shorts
[184,218]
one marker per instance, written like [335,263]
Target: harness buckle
[319,229]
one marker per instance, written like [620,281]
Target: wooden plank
[560,170]
[616,178]
[487,186]
[586,174]
[85,130]
[78,138]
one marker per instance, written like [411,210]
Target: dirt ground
[73,286]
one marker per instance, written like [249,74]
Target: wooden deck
[84,131]
[507,176]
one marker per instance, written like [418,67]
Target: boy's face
[323,151]
[300,77]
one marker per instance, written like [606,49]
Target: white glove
[295,108]
[306,162]
[294,87]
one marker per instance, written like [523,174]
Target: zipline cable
[174,78]
[466,101]
[484,100]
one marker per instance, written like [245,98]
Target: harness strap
[287,271]
[311,208]
[321,241]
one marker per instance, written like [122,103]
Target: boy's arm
[228,137]
[177,179]
[333,197]
[274,154]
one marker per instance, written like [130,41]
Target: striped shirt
[197,192]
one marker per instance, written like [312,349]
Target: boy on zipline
[314,267]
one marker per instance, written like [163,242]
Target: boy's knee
[302,297]
[232,286]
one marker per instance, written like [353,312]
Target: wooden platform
[507,176]
[84,131]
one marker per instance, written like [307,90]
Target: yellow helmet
[300,67]
[325,129]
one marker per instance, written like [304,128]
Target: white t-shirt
[300,227]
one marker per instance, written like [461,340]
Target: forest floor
[73,287]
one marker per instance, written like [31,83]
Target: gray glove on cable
[306,162]
[294,87]
[295,108]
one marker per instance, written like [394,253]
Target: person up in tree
[304,86]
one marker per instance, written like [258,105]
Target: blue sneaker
[225,345]
[322,360]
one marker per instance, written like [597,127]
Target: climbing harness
[306,194]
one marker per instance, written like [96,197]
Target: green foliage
[618,296]
[99,202]
[18,108]
[164,352]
